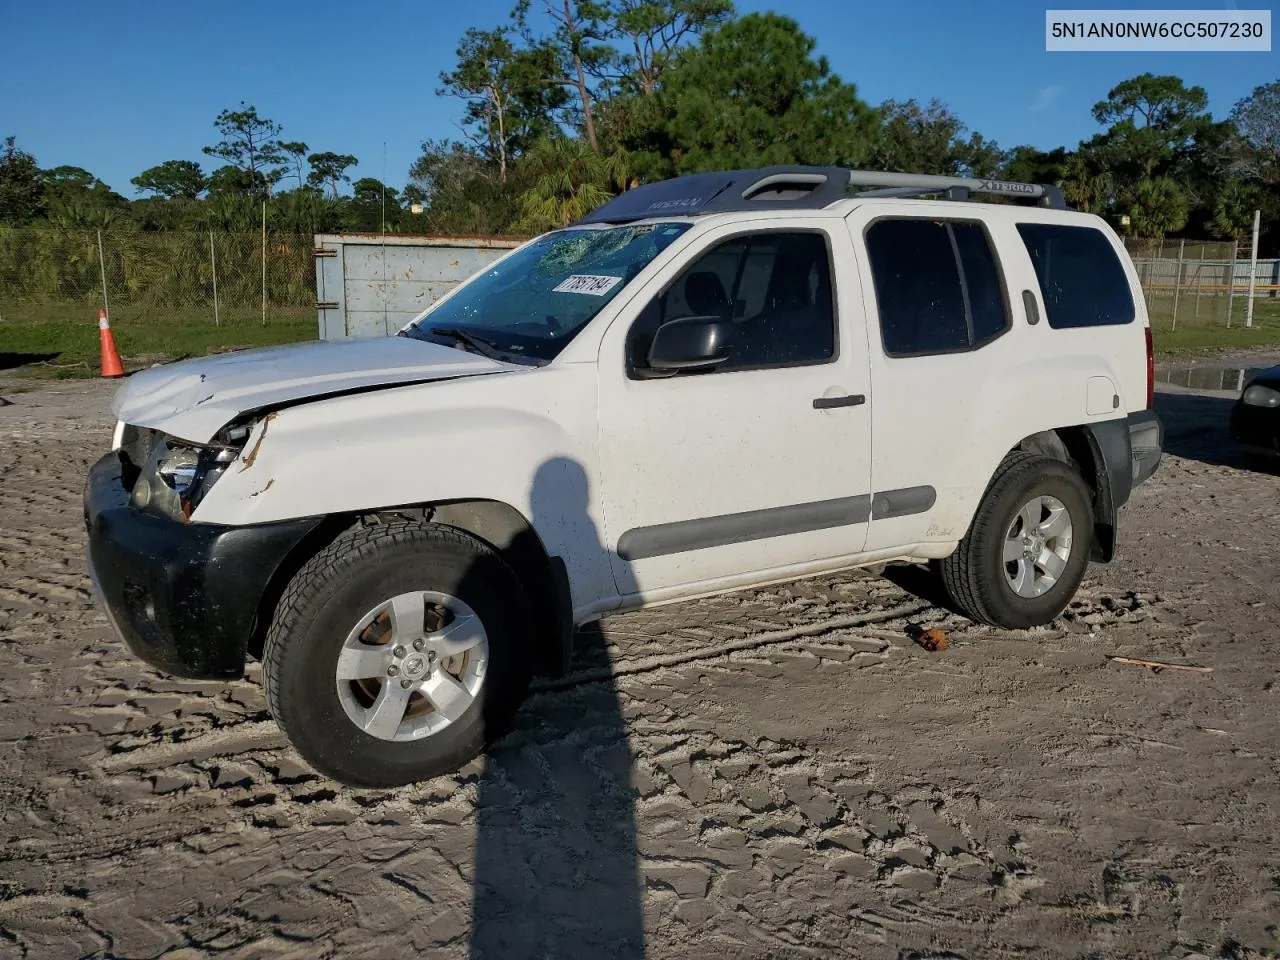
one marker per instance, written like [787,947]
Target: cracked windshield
[529,306]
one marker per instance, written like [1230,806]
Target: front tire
[398,653]
[1027,549]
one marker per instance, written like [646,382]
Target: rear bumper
[1146,445]
[183,596]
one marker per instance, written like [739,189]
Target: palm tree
[569,179]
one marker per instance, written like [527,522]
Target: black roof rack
[798,187]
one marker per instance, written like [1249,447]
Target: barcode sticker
[590,284]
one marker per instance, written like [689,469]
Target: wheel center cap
[415,667]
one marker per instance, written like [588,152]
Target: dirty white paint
[586,454]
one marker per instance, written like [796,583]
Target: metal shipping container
[370,285]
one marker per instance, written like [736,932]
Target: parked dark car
[1255,418]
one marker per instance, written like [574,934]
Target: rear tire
[398,653]
[1027,549]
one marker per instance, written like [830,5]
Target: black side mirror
[691,343]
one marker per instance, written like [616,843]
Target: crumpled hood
[192,399]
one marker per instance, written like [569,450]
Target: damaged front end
[184,595]
[169,477]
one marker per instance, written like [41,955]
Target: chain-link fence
[55,274]
[49,273]
[1192,283]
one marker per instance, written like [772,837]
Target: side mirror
[691,343]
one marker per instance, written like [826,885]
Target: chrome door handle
[826,403]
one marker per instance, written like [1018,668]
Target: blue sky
[117,87]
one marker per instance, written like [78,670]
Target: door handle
[826,403]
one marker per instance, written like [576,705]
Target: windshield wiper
[481,346]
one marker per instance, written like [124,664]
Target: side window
[774,287]
[938,286]
[1081,279]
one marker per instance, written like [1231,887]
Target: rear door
[945,361]
[988,324]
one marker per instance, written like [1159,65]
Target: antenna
[386,295]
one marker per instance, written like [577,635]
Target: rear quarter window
[1081,279]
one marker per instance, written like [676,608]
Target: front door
[760,464]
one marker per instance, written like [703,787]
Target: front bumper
[1256,427]
[183,596]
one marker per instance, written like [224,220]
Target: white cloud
[1045,98]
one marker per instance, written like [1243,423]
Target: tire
[347,728]
[977,576]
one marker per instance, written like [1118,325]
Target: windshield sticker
[590,284]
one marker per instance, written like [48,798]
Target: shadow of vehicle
[923,582]
[10,361]
[1197,427]
[556,868]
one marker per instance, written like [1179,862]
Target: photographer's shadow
[556,868]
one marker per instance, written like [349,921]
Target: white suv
[713,382]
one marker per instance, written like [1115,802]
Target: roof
[799,188]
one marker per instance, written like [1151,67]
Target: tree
[21,185]
[655,30]
[1030,165]
[1233,210]
[506,93]
[446,167]
[230,180]
[70,180]
[931,140]
[461,191]
[250,143]
[569,179]
[1085,185]
[1157,207]
[172,179]
[296,151]
[1257,122]
[330,169]
[75,198]
[1147,100]
[1154,122]
[752,94]
[579,46]
[374,206]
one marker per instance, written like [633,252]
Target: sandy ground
[777,773]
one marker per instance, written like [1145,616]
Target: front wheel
[1027,549]
[398,653]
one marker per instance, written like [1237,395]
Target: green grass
[1189,340]
[63,341]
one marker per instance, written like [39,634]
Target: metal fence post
[213,263]
[1200,277]
[102,266]
[1231,281]
[264,263]
[1253,269]
[1177,284]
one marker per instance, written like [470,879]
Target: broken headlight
[174,476]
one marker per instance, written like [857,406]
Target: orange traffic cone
[111,366]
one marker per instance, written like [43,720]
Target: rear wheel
[398,653]
[1027,549]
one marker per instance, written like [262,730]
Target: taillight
[1151,372]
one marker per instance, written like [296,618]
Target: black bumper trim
[1146,444]
[184,597]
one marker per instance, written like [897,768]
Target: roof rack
[798,187]
[952,188]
